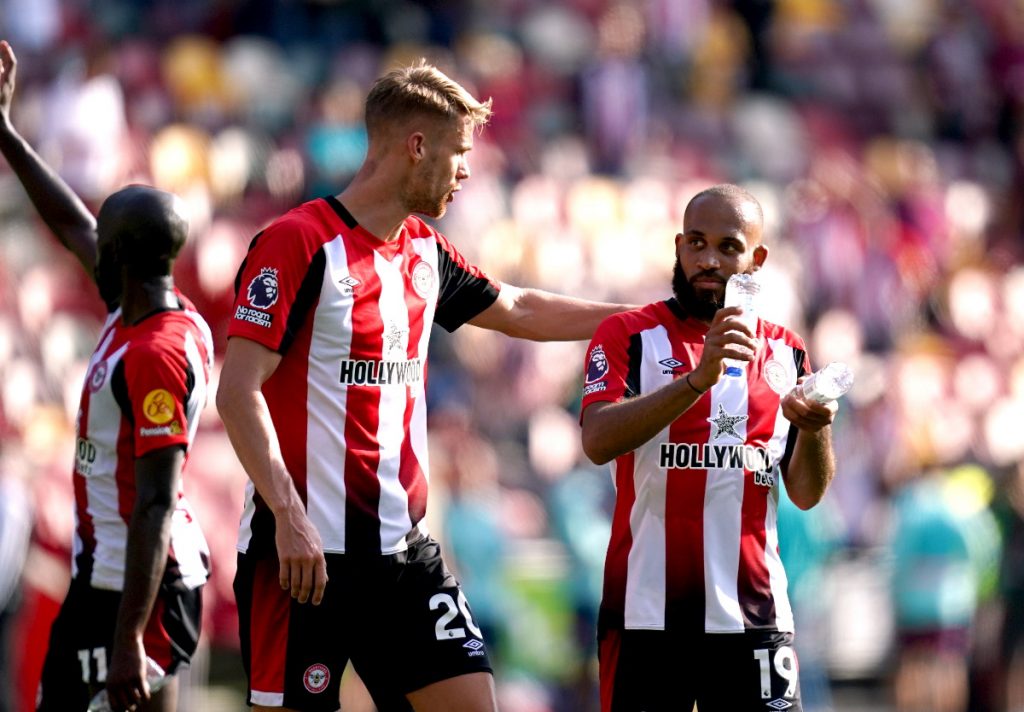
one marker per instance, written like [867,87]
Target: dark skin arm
[149,533]
[61,210]
[812,465]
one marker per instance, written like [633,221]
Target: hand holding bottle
[741,291]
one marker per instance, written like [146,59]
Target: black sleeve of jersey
[463,294]
[635,356]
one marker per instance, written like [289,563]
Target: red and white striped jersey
[144,390]
[694,545]
[351,316]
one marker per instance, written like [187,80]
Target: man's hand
[807,415]
[301,554]
[8,70]
[728,337]
[127,687]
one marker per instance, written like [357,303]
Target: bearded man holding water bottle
[696,404]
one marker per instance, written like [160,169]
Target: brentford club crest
[98,376]
[316,678]
[423,279]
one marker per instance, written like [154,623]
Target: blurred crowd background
[884,140]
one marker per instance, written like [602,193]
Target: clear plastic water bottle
[828,383]
[741,291]
[155,676]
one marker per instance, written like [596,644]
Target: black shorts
[82,636]
[401,619]
[651,670]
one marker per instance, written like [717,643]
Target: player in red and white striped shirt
[323,396]
[140,559]
[695,606]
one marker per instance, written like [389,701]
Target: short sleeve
[277,284]
[157,382]
[465,289]
[606,367]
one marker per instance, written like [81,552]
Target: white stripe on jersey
[104,424]
[325,435]
[646,585]
[393,506]
[427,250]
[723,517]
[245,521]
[782,353]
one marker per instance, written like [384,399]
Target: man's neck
[142,298]
[374,202]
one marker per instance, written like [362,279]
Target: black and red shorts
[82,636]
[401,619]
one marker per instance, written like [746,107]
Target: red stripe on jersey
[608,661]
[286,392]
[362,450]
[410,474]
[268,648]
[125,472]
[684,527]
[617,559]
[754,584]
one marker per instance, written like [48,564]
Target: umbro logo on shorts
[779,704]
[474,646]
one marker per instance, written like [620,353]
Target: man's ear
[760,255]
[416,144]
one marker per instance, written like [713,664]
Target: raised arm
[544,316]
[243,408]
[61,210]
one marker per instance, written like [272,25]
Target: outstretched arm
[544,316]
[61,210]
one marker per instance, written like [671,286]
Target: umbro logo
[779,704]
[670,364]
[475,647]
[348,284]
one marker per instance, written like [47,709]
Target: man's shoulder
[312,218]
[167,332]
[634,320]
[417,227]
[782,333]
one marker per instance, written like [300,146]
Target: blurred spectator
[945,546]
[15,528]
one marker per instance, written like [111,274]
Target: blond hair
[421,89]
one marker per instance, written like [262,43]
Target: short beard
[702,308]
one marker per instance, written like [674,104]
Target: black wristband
[695,389]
